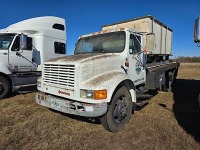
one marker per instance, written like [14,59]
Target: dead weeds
[170,121]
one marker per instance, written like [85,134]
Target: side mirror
[36,57]
[23,42]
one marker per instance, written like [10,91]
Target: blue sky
[86,16]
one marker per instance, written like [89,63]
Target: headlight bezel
[93,94]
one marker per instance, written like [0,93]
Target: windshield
[103,43]
[5,40]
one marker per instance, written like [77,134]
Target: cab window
[135,43]
[59,48]
[16,44]
[5,41]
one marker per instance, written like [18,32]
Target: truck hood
[89,66]
[80,58]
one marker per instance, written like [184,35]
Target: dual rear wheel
[169,79]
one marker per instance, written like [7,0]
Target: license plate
[55,103]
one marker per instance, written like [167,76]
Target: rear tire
[4,87]
[119,111]
[167,86]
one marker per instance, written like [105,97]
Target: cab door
[3,52]
[23,61]
[136,59]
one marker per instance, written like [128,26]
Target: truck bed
[162,44]
[158,74]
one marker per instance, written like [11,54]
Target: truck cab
[124,43]
[25,46]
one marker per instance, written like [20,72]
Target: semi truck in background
[25,46]
[110,71]
[197,38]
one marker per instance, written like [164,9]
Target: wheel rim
[121,109]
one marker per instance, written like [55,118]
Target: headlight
[89,94]
[94,94]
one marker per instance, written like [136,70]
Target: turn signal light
[100,94]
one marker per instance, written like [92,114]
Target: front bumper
[70,106]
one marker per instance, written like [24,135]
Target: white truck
[109,71]
[25,46]
[197,38]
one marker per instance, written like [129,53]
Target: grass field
[170,121]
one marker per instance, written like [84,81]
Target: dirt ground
[169,121]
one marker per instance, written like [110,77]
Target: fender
[5,68]
[110,81]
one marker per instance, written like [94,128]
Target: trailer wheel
[163,87]
[171,80]
[4,87]
[167,86]
[119,111]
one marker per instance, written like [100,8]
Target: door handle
[5,53]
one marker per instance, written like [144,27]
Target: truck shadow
[84,119]
[79,118]
[23,90]
[185,107]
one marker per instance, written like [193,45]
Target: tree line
[183,59]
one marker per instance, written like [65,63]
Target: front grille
[62,75]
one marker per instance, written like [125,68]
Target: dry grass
[189,71]
[170,121]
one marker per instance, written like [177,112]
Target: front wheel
[119,111]
[4,87]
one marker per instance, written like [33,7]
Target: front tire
[119,111]
[4,87]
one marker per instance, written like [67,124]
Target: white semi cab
[25,46]
[109,71]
